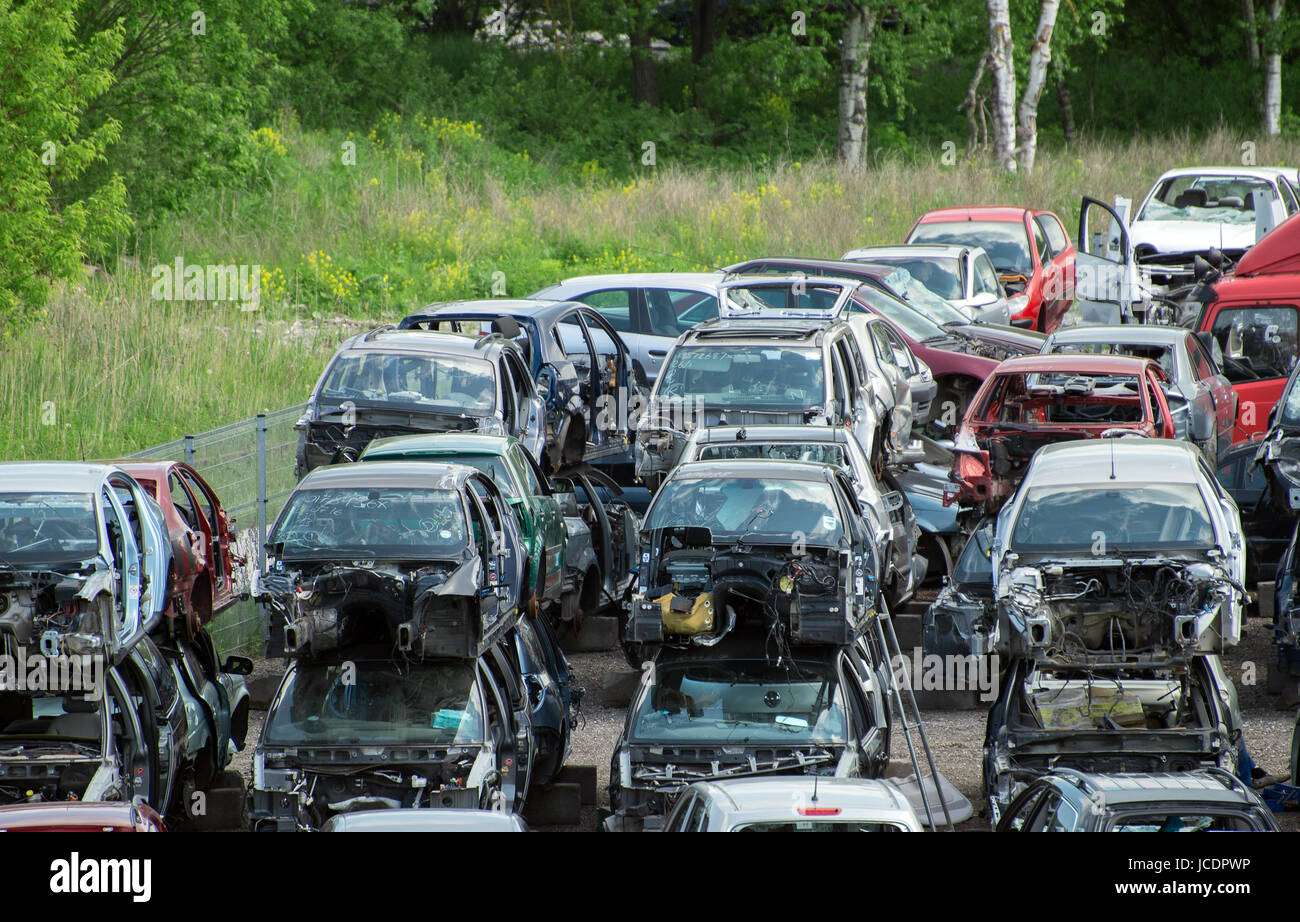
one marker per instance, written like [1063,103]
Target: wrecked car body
[594,390]
[358,729]
[86,559]
[889,514]
[204,561]
[1117,575]
[778,355]
[777,547]
[390,382]
[1034,401]
[427,554]
[743,710]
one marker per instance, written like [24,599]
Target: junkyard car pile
[112,690]
[743,474]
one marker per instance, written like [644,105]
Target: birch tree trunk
[1273,74]
[855,56]
[1002,64]
[1040,56]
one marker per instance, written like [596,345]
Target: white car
[962,275]
[795,803]
[1188,211]
[648,309]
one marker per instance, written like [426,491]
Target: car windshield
[1006,242]
[759,378]
[741,300]
[442,383]
[44,526]
[376,701]
[1106,518]
[816,452]
[922,299]
[1163,354]
[753,508]
[940,275]
[742,701]
[1289,414]
[392,522]
[974,564]
[1215,199]
[911,319]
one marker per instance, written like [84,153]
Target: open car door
[1107,289]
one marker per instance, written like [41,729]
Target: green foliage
[45,87]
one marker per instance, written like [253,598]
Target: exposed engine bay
[47,608]
[1116,610]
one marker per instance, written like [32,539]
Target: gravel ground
[956,736]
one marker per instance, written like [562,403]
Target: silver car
[962,275]
[1201,400]
[648,309]
[793,804]
[451,819]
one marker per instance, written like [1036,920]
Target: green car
[504,459]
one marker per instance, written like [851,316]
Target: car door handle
[659,353]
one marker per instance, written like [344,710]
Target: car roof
[442,819]
[540,309]
[751,467]
[465,443]
[1071,361]
[1144,787]
[1135,333]
[427,341]
[1260,172]
[1008,213]
[53,476]
[772,797]
[715,434]
[918,250]
[723,328]
[643,279]
[1137,460]
[379,474]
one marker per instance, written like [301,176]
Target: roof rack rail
[371,334]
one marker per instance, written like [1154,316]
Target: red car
[80,816]
[1035,400]
[1253,313]
[1030,249]
[203,539]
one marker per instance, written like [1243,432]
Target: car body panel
[791,801]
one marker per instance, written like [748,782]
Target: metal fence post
[189,450]
[261,493]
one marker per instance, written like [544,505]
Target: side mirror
[983,299]
[238,665]
[1201,426]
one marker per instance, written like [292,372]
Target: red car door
[218,540]
[1059,266]
[1258,342]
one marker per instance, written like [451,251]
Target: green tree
[46,84]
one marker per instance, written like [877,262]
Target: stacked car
[118,694]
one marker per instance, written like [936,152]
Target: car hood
[1192,236]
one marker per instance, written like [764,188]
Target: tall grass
[431,210]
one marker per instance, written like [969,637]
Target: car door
[549,521]
[868,736]
[624,310]
[129,571]
[1220,399]
[210,531]
[1106,280]
[531,406]
[670,312]
[1059,263]
[622,379]
[1258,341]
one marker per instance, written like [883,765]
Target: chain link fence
[250,466]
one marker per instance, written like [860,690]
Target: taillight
[971,467]
[819,811]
